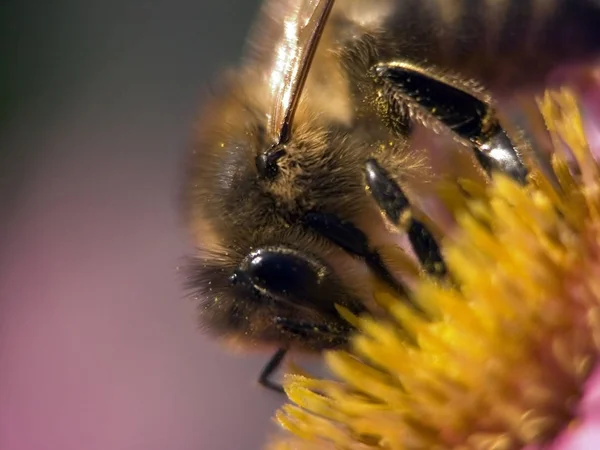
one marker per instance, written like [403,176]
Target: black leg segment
[270,368]
[395,205]
[347,236]
[327,335]
[435,100]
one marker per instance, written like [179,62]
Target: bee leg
[395,205]
[347,236]
[434,101]
[326,335]
[270,368]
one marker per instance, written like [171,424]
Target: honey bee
[301,156]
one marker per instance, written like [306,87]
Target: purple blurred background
[98,348]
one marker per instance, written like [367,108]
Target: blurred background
[98,348]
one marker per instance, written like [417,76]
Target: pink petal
[584,433]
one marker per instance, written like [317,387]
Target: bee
[301,158]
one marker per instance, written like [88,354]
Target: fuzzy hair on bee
[302,169]
[322,170]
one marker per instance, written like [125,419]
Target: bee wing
[283,43]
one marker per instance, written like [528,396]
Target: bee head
[258,273]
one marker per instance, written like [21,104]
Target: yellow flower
[515,334]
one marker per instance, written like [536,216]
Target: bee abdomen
[500,42]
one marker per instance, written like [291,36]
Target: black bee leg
[347,236]
[327,335]
[395,205]
[270,368]
[436,101]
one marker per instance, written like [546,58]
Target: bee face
[261,274]
[280,295]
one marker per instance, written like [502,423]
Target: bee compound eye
[266,162]
[289,276]
[282,272]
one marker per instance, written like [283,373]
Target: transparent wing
[282,43]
